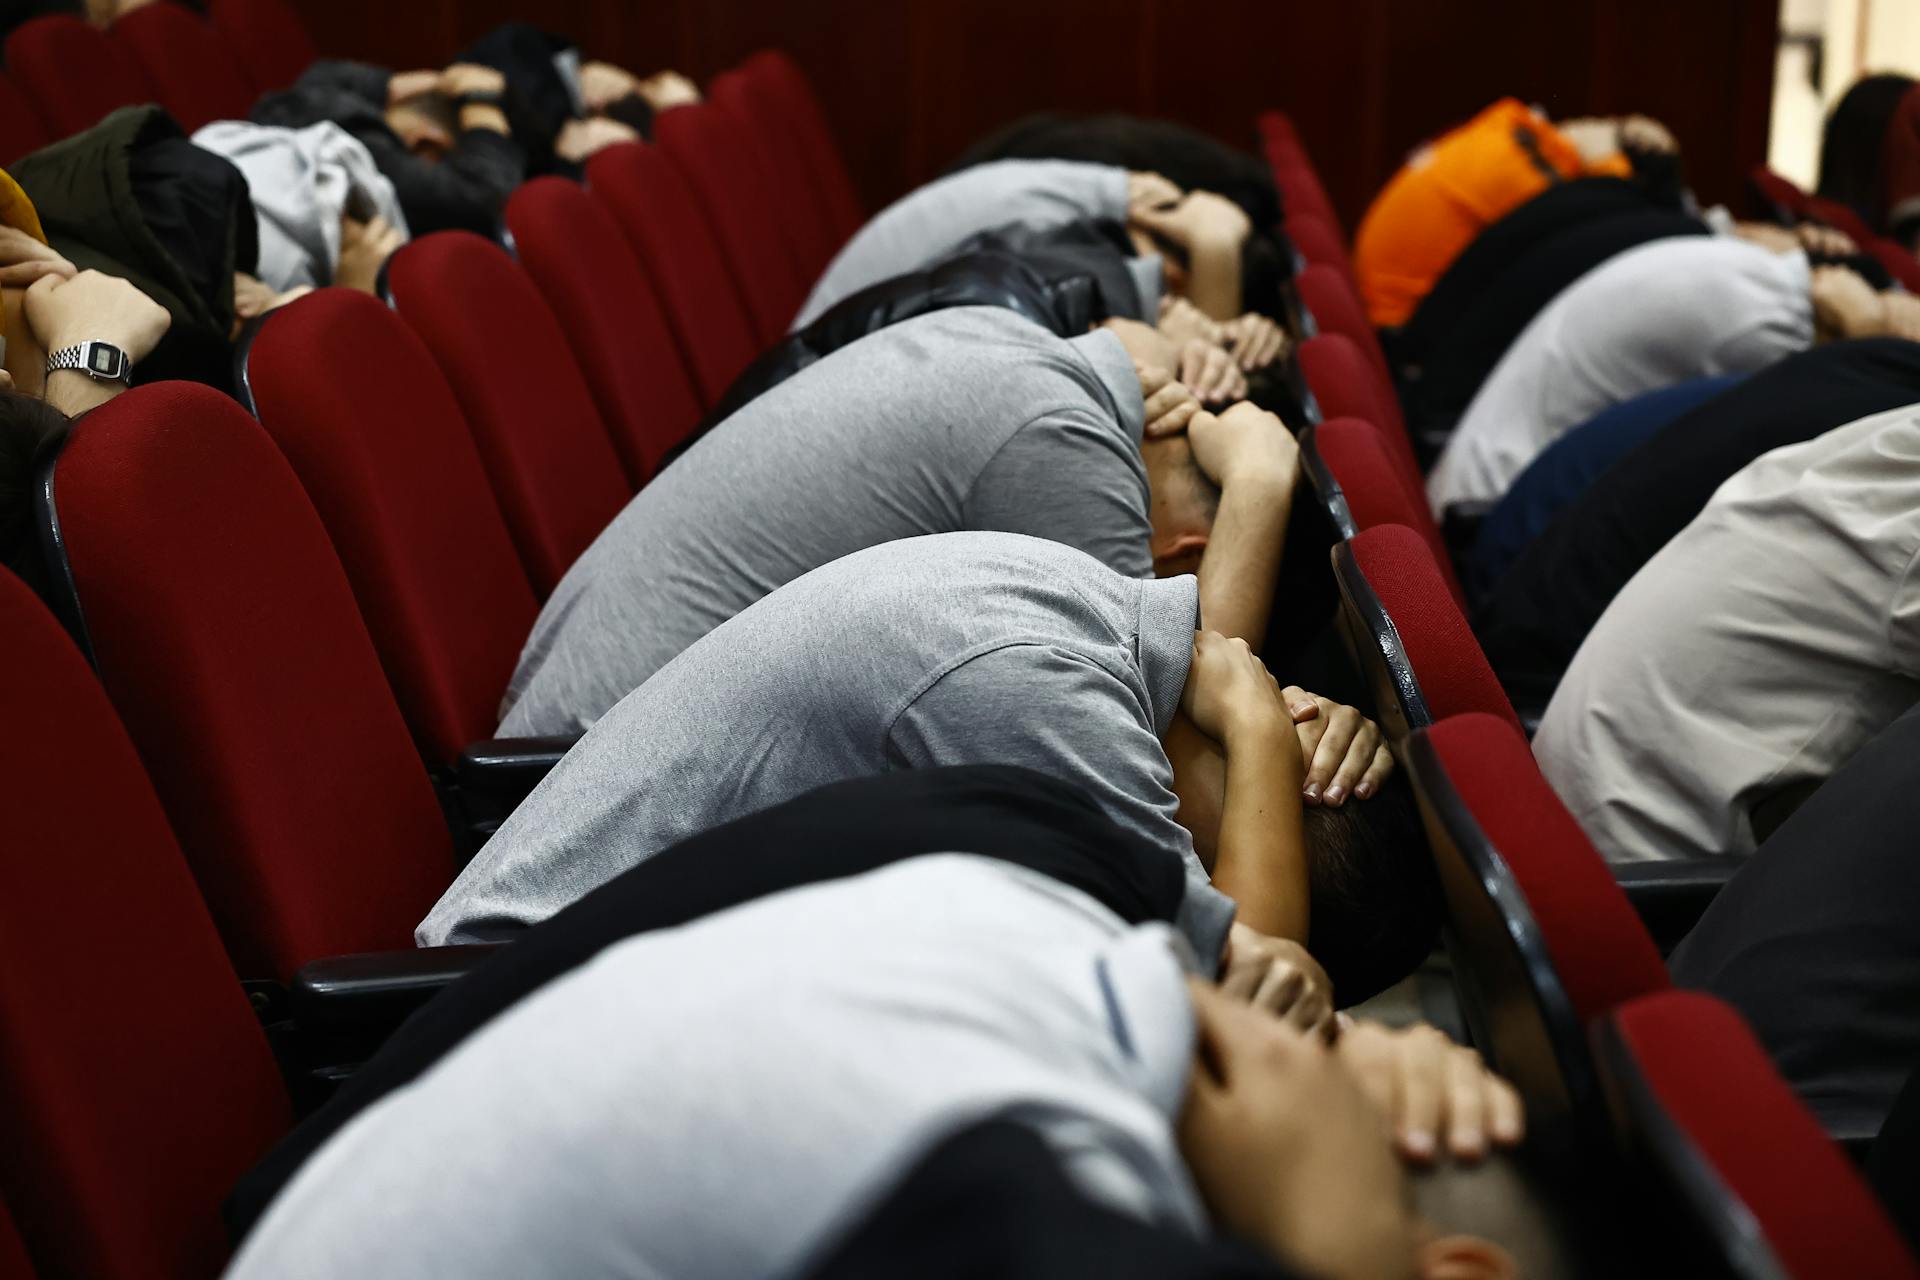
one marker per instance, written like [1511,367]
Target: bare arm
[1254,459]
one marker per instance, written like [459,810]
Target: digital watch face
[106,361]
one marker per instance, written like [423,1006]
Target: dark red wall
[907,85]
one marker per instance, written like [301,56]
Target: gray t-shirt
[928,224]
[966,419]
[724,1099]
[958,648]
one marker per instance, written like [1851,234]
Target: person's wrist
[1253,720]
[1262,475]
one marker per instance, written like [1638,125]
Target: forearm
[1213,268]
[1260,861]
[73,392]
[1242,558]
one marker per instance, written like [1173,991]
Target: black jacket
[464,191]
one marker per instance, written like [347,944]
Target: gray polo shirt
[1769,641]
[958,648]
[725,1099]
[966,419]
[929,223]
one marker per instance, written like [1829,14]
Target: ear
[1465,1258]
[1178,549]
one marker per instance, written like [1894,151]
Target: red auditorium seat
[804,217]
[226,634]
[549,456]
[14,1263]
[776,82]
[1293,172]
[389,463]
[135,1081]
[1348,385]
[267,37]
[20,128]
[1784,200]
[571,246]
[1544,940]
[42,56]
[1736,1166]
[743,208]
[1330,299]
[1361,486]
[662,220]
[1318,242]
[1411,639]
[197,77]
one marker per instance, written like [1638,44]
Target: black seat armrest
[1671,896]
[375,991]
[491,778]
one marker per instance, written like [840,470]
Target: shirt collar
[1149,283]
[1111,364]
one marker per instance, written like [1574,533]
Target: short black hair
[26,424]
[1265,267]
[1375,896]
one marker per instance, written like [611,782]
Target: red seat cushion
[20,128]
[1453,672]
[742,207]
[546,451]
[654,207]
[804,217]
[197,77]
[1712,1081]
[42,58]
[1601,953]
[1376,489]
[777,81]
[1349,385]
[267,38]
[135,1082]
[1336,308]
[389,463]
[573,249]
[227,635]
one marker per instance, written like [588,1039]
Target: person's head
[26,423]
[426,122]
[1184,502]
[1853,145]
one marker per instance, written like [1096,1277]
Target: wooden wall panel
[908,84]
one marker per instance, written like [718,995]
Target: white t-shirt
[720,1100]
[1760,649]
[1684,307]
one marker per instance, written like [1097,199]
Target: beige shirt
[1757,652]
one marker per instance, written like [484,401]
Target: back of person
[1446,194]
[715,1099]
[1679,308]
[1763,646]
[930,223]
[1554,592]
[958,649]
[971,418]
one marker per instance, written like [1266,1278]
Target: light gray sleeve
[1780,304]
[1066,716]
[1072,476]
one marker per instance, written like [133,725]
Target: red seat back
[1398,603]
[357,404]
[1318,242]
[21,129]
[1349,385]
[135,1082]
[1545,940]
[546,451]
[227,636]
[742,207]
[196,76]
[781,87]
[1330,298]
[1301,190]
[804,218]
[571,246]
[1731,1147]
[662,221]
[73,73]
[1348,461]
[1786,199]
[267,37]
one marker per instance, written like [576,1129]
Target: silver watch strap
[80,357]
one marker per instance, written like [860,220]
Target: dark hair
[1853,146]
[1265,266]
[25,425]
[1375,897]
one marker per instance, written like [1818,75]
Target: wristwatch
[480,98]
[101,361]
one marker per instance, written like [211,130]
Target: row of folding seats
[63,75]
[1782,201]
[1562,985]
